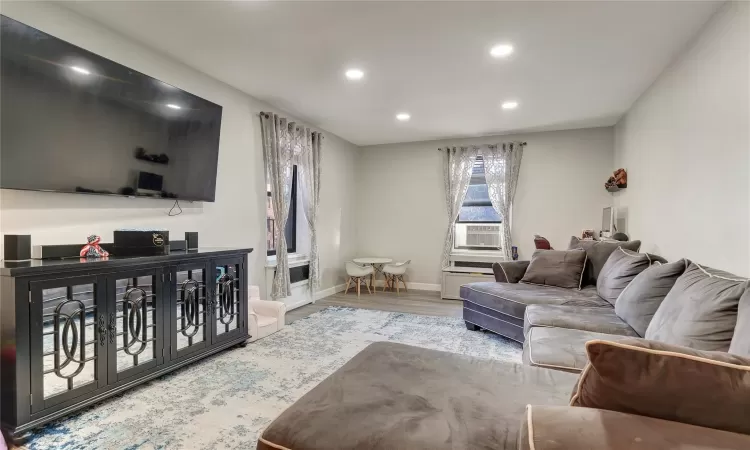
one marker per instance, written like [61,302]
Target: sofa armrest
[269,308]
[558,427]
[510,271]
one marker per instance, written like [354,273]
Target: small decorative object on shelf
[140,153]
[587,235]
[93,249]
[619,180]
[514,253]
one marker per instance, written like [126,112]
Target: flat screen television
[73,121]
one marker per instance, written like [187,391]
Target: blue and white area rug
[226,400]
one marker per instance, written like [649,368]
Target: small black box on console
[141,243]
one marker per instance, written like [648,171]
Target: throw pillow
[700,311]
[741,340]
[619,270]
[639,301]
[598,252]
[636,376]
[556,268]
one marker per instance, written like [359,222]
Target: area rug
[226,400]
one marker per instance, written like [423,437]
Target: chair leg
[347,285]
[368,286]
[395,281]
[359,284]
[402,280]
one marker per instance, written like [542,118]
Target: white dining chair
[393,274]
[359,275]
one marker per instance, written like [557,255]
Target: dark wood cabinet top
[43,266]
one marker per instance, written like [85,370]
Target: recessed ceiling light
[510,105]
[173,106]
[354,74]
[501,50]
[80,70]
[403,117]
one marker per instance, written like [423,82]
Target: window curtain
[277,150]
[502,163]
[308,157]
[457,165]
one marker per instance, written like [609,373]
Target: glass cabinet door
[135,323]
[229,319]
[68,339]
[189,310]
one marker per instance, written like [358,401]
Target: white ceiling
[575,64]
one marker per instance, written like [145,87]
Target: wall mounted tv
[72,121]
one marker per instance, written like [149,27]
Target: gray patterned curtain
[277,149]
[457,165]
[502,163]
[308,157]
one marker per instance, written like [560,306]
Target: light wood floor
[426,303]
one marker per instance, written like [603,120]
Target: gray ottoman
[394,396]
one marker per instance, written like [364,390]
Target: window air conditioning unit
[483,236]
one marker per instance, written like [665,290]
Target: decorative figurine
[618,180]
[514,253]
[93,249]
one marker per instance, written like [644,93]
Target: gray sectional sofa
[500,306]
[679,303]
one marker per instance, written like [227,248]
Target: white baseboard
[330,291]
[416,286]
[299,303]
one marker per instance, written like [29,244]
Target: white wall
[401,209]
[237,218]
[686,146]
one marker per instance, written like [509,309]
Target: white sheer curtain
[502,164]
[457,166]
[308,157]
[278,136]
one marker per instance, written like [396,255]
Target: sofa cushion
[740,344]
[560,348]
[600,320]
[512,299]
[395,396]
[556,268]
[639,301]
[509,271]
[654,379]
[619,270]
[700,311]
[597,254]
[560,428]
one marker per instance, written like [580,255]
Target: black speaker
[192,239]
[177,246]
[17,247]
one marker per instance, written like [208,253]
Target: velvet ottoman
[393,396]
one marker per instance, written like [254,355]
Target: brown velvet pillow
[650,378]
[556,268]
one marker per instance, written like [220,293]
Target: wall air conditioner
[483,236]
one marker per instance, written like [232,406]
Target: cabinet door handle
[112,328]
[102,330]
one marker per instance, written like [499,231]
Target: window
[478,224]
[290,231]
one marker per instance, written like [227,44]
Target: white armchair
[265,316]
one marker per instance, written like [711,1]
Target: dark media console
[76,331]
